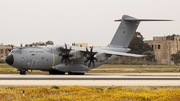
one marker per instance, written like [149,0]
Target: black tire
[80,73]
[54,72]
[24,72]
[70,73]
[20,72]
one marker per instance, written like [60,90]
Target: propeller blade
[93,54]
[93,64]
[86,60]
[69,60]
[62,60]
[65,46]
[91,50]
[87,50]
[60,54]
[66,62]
[96,59]
[69,50]
[70,55]
[89,64]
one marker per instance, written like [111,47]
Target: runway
[94,79]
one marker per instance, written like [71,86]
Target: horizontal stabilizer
[129,19]
[133,19]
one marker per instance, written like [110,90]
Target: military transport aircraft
[72,59]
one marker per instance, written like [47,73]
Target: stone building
[81,44]
[4,51]
[163,48]
[85,45]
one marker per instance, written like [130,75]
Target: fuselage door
[33,65]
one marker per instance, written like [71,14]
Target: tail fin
[126,30]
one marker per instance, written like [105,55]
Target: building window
[152,47]
[158,46]
[155,46]
[1,51]
[6,51]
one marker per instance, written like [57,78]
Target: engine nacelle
[101,57]
[77,54]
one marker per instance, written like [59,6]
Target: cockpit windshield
[16,52]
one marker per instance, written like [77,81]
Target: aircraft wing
[109,52]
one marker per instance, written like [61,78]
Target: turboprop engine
[101,57]
[76,54]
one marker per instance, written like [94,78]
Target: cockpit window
[16,52]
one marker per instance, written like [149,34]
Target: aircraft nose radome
[10,59]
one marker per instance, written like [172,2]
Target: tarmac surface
[94,79]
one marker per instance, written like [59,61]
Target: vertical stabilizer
[127,29]
[125,32]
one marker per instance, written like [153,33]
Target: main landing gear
[70,73]
[23,72]
[54,72]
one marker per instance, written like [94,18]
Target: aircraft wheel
[20,72]
[61,73]
[50,72]
[54,72]
[23,72]
[81,73]
[70,73]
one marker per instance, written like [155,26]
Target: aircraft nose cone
[10,59]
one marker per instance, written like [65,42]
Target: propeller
[90,57]
[66,55]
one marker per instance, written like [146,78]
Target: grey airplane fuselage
[32,58]
[48,58]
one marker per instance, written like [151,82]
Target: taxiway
[94,79]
